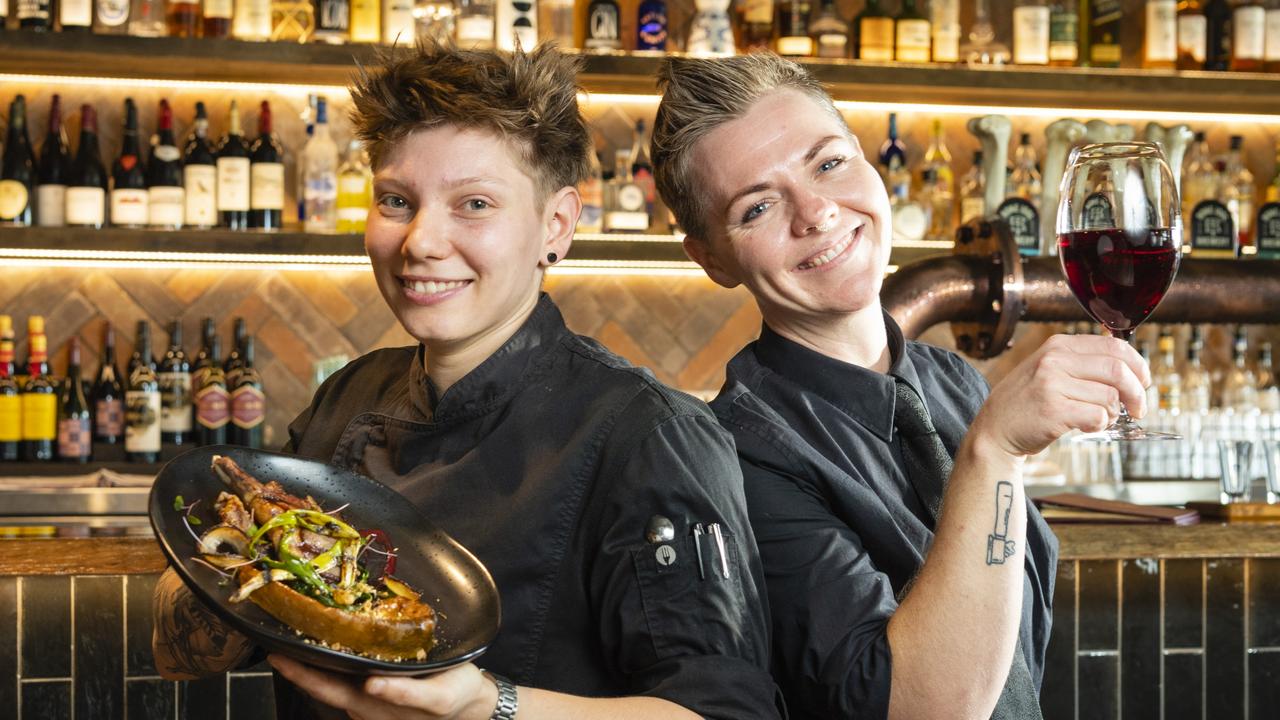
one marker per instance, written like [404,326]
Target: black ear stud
[552,258]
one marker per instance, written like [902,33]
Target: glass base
[1126,433]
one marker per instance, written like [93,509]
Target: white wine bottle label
[129,207]
[166,205]
[14,199]
[113,13]
[1031,35]
[175,401]
[913,40]
[1161,31]
[201,185]
[1193,33]
[233,183]
[86,206]
[51,205]
[1248,32]
[142,421]
[76,13]
[267,186]
[218,9]
[944,17]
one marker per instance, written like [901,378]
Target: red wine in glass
[1119,276]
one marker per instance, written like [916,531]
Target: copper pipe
[935,290]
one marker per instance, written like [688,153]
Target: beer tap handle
[1062,135]
[993,132]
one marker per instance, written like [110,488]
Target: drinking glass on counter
[1236,458]
[1271,452]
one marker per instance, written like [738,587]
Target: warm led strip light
[656,268]
[247,87]
[196,257]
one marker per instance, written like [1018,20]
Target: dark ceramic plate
[449,577]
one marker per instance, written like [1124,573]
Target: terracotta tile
[315,330]
[323,292]
[101,289]
[705,370]
[287,347]
[616,339]
[187,285]
[395,336]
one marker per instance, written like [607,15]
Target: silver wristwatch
[508,700]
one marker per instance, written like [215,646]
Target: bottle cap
[35,325]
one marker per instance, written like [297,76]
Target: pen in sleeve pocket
[714,529]
[697,550]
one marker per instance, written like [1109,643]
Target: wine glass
[1119,238]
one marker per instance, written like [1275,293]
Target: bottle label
[592,192]
[51,205]
[652,31]
[166,205]
[876,39]
[972,208]
[142,422]
[1193,31]
[1248,32]
[631,197]
[86,206]
[75,440]
[474,30]
[166,153]
[758,12]
[352,184]
[33,9]
[397,23]
[1268,230]
[201,185]
[795,46]
[1024,224]
[76,13]
[113,13]
[1031,35]
[267,186]
[1271,51]
[602,26]
[321,187]
[221,9]
[248,407]
[175,401]
[1211,227]
[13,199]
[109,417]
[213,407]
[39,416]
[913,40]
[233,183]
[333,15]
[1064,37]
[1161,32]
[253,20]
[10,418]
[129,207]
[833,45]
[1098,212]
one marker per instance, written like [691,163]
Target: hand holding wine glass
[1119,238]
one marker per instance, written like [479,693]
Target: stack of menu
[1077,508]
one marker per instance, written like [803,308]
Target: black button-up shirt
[548,461]
[841,527]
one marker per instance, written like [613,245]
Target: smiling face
[796,214]
[458,234]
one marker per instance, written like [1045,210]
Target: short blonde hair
[528,98]
[699,95]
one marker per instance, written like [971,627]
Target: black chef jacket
[841,528]
[547,461]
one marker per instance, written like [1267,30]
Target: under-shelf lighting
[165,84]
[654,268]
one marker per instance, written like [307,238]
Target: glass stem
[1124,420]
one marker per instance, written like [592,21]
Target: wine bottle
[175,391]
[202,360]
[199,175]
[141,350]
[875,33]
[1271,49]
[129,177]
[75,438]
[1160,41]
[17,169]
[1031,33]
[1248,36]
[1192,35]
[55,170]
[233,175]
[166,198]
[10,396]
[248,404]
[1104,32]
[355,190]
[183,18]
[217,18]
[142,406]
[87,189]
[112,17]
[830,32]
[1217,50]
[75,15]
[1064,33]
[235,357]
[266,176]
[213,402]
[108,396]
[39,397]
[36,15]
[912,34]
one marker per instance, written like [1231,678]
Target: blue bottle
[651,30]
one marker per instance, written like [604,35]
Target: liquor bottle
[248,403]
[1268,389]
[10,396]
[355,190]
[39,397]
[1031,33]
[1164,373]
[1064,33]
[200,175]
[793,28]
[75,15]
[1197,177]
[911,34]
[175,391]
[651,25]
[129,177]
[591,190]
[141,350]
[212,401]
[944,22]
[166,199]
[710,31]
[300,167]
[1197,384]
[266,176]
[232,168]
[252,20]
[938,199]
[320,176]
[1273,187]
[108,396]
[873,35]
[147,18]
[1248,36]
[938,157]
[86,193]
[204,356]
[217,18]
[235,357]
[1214,219]
[830,33]
[54,171]
[111,17]
[292,21]
[515,24]
[755,25]
[366,21]
[476,25]
[398,23]
[1242,190]
[4,14]
[75,435]
[973,191]
[893,162]
[333,21]
[1021,206]
[555,22]
[1217,51]
[1160,38]
[641,169]
[1271,52]
[17,169]
[1239,391]
[1193,33]
[36,15]
[142,406]
[1104,32]
[183,18]
[982,48]
[624,199]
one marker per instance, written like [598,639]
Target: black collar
[865,395]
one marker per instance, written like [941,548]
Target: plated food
[311,570]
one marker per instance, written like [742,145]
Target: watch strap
[508,698]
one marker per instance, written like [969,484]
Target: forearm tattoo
[998,546]
[189,639]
